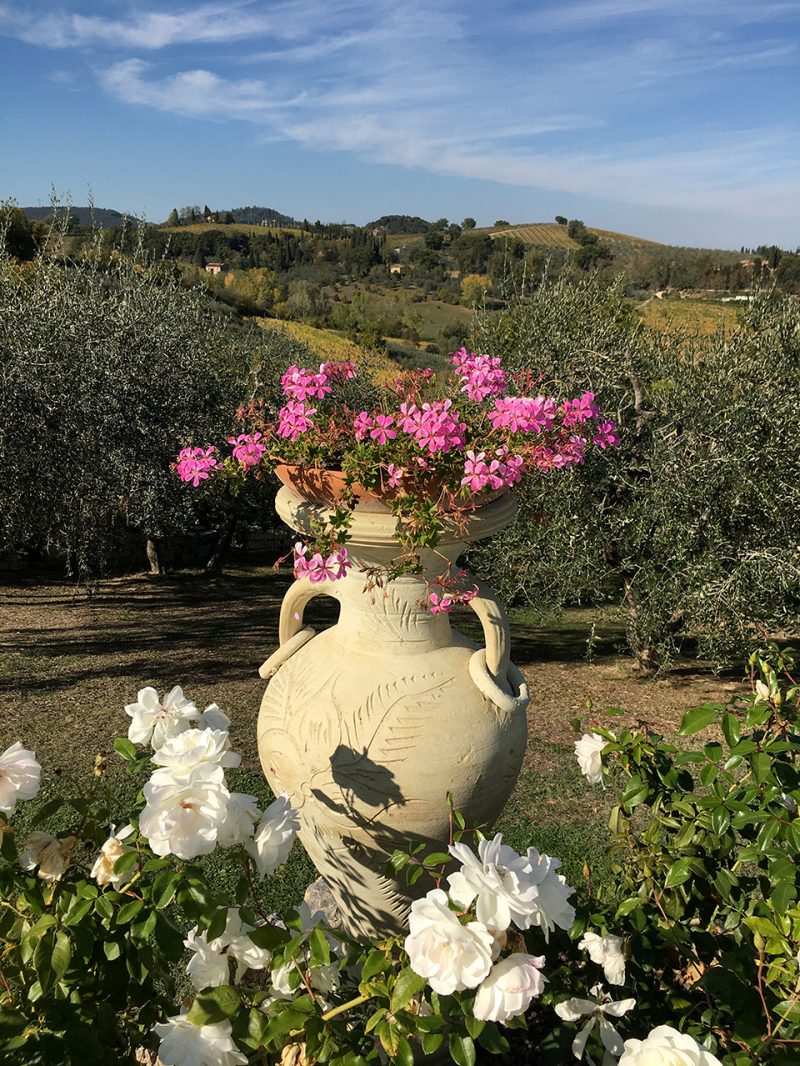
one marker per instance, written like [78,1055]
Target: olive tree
[692,522]
[107,368]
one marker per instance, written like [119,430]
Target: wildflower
[381,432]
[395,476]
[440,605]
[295,418]
[606,435]
[196,464]
[362,425]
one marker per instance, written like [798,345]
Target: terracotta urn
[369,724]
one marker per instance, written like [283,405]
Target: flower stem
[344,1007]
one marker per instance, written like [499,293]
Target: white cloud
[443,86]
[194,93]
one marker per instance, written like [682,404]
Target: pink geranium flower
[196,464]
[439,604]
[381,431]
[362,424]
[247,448]
[606,436]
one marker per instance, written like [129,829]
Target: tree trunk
[219,555]
[152,554]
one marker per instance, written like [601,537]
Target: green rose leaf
[406,986]
[698,718]
[214,1005]
[462,1050]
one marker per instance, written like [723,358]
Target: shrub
[692,521]
[698,934]
[108,367]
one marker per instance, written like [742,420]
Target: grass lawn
[69,664]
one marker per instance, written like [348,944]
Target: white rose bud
[588,750]
[110,853]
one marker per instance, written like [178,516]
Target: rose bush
[104,928]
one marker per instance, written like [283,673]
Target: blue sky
[674,119]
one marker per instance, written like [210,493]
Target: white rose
[111,851]
[451,956]
[551,906]
[597,1013]
[213,717]
[209,965]
[195,748]
[588,750]
[607,952]
[274,836]
[20,775]
[666,1047]
[240,820]
[154,722]
[184,1044]
[184,818]
[279,979]
[50,854]
[504,883]
[509,988]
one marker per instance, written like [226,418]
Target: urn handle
[292,635]
[491,669]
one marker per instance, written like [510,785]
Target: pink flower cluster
[196,464]
[248,449]
[377,427]
[576,412]
[341,371]
[301,384]
[482,374]
[435,426]
[565,453]
[502,470]
[295,418]
[523,414]
[606,436]
[317,568]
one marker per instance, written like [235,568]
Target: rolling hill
[551,235]
[102,217]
